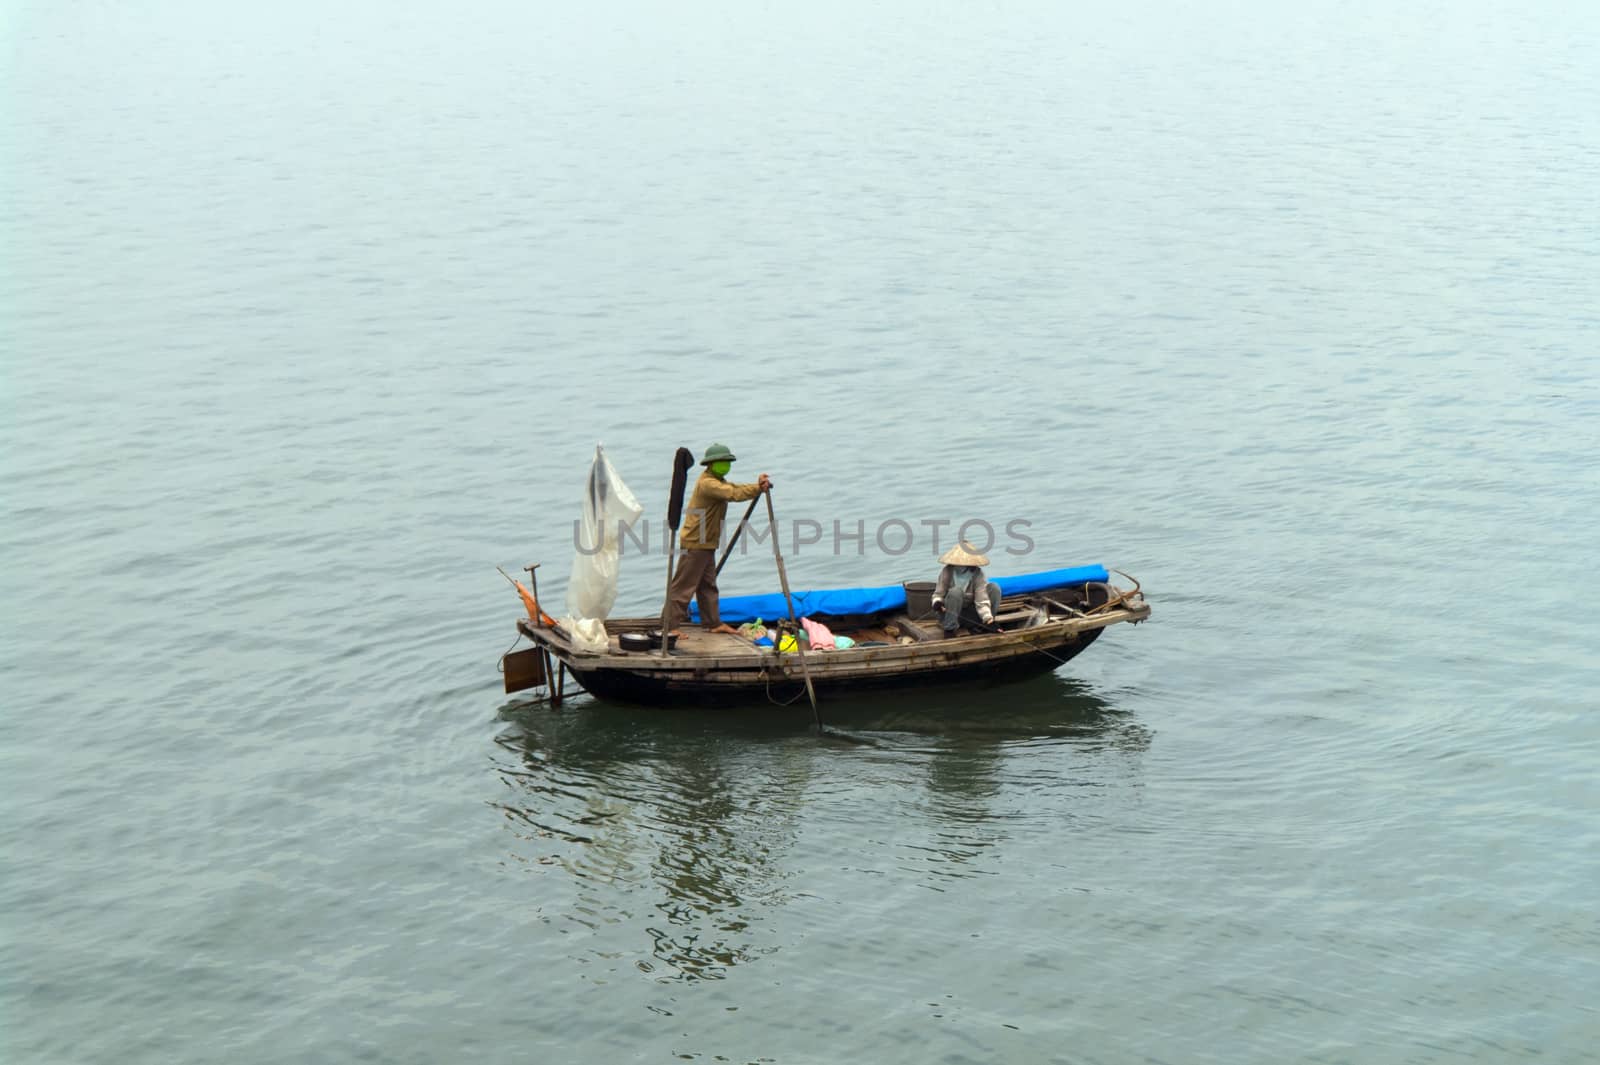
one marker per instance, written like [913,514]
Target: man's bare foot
[725,627]
[674,634]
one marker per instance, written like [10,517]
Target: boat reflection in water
[683,831]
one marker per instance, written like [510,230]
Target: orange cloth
[533,605]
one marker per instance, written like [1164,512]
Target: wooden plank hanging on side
[524,669]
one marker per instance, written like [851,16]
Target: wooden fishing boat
[1044,620]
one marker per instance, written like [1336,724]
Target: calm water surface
[315,313]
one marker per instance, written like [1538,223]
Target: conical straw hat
[963,554]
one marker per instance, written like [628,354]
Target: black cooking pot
[644,641]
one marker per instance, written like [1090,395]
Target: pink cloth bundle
[817,634]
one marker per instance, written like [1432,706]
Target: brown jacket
[708,505]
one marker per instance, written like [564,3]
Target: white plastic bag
[608,506]
[588,634]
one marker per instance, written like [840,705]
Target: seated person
[961,587]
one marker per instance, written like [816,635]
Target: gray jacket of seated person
[961,585]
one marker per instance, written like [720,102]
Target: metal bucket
[919,599]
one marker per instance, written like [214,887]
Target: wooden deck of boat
[693,641]
[878,643]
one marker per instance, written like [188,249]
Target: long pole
[666,600]
[737,532]
[681,462]
[783,579]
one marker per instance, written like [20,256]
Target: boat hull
[787,685]
[1030,633]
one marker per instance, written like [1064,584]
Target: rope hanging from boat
[500,663]
[766,681]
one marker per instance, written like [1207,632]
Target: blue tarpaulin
[832,602]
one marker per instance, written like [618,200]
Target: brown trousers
[694,578]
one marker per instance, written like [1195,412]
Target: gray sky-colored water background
[314,314]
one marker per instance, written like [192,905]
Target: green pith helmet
[717,453]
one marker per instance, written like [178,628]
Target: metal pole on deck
[681,461]
[533,579]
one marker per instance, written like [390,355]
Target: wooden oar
[783,579]
[737,532]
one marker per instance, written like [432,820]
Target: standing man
[696,575]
